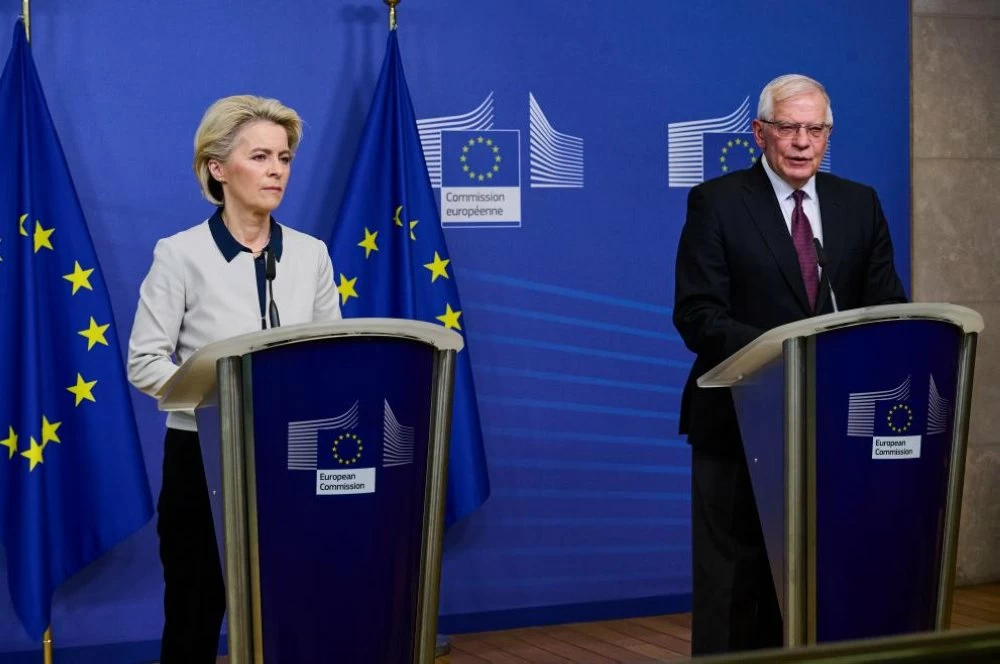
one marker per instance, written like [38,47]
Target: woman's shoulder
[188,234]
[298,241]
[184,245]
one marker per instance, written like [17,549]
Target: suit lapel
[758,195]
[831,216]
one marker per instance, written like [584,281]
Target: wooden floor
[644,640]
[656,639]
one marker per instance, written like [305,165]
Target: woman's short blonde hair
[223,121]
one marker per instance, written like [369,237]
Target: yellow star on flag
[346,289]
[450,318]
[395,217]
[42,237]
[413,224]
[34,454]
[80,278]
[83,390]
[49,430]
[95,333]
[369,242]
[10,442]
[439,268]
[20,225]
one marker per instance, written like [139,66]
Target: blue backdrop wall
[610,111]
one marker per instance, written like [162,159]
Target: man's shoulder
[725,184]
[838,186]
[750,178]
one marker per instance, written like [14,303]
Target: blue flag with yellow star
[390,260]
[72,478]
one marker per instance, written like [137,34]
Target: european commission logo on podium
[700,150]
[889,419]
[477,167]
[343,460]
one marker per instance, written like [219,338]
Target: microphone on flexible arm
[821,261]
[270,270]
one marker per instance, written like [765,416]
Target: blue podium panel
[341,457]
[885,398]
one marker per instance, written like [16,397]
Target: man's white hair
[786,87]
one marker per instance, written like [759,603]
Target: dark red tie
[802,238]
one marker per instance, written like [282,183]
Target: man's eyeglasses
[790,129]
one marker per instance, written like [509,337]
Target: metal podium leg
[232,435]
[956,479]
[794,351]
[429,585]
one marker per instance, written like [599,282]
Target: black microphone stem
[824,276]
[269,273]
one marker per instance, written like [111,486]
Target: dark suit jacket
[738,276]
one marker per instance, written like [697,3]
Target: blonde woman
[208,283]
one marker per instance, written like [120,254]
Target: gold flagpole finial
[47,638]
[392,12]
[26,17]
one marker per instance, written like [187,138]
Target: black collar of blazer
[759,197]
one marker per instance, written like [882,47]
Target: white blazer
[202,288]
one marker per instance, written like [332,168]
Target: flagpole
[47,646]
[26,15]
[392,12]
[442,645]
[47,636]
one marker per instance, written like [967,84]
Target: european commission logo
[478,167]
[892,421]
[481,178]
[343,461]
[700,150]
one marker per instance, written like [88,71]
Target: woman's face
[255,174]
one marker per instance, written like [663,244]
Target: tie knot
[798,195]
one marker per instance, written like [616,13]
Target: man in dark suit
[747,263]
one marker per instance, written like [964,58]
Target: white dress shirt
[202,288]
[810,202]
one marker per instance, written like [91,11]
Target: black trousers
[734,602]
[194,600]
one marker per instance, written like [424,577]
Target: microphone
[821,261]
[270,270]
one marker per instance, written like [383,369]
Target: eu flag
[72,479]
[390,260]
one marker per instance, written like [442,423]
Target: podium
[333,452]
[854,427]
